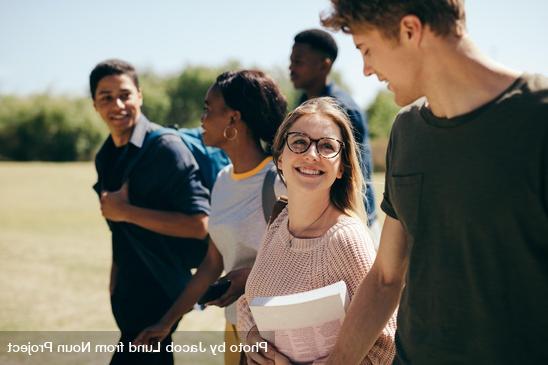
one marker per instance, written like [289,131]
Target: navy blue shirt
[165,178]
[361,135]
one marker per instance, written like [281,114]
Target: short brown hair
[346,192]
[445,17]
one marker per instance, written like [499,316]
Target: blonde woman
[320,237]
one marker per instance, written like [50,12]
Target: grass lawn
[56,253]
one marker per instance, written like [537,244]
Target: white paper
[303,326]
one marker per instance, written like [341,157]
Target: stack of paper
[303,326]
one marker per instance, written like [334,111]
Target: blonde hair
[347,192]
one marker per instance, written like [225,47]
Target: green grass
[55,252]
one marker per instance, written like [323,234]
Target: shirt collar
[140,131]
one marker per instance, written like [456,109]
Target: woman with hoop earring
[242,112]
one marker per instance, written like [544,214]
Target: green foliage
[156,99]
[56,128]
[281,76]
[381,114]
[47,128]
[188,90]
[187,95]
[337,77]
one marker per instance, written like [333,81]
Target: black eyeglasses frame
[315,141]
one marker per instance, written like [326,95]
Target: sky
[53,45]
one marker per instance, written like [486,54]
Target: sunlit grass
[55,253]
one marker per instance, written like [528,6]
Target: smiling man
[155,206]
[464,248]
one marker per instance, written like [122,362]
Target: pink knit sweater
[288,265]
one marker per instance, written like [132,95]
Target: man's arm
[174,180]
[169,223]
[115,207]
[376,299]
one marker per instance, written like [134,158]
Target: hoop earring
[230,137]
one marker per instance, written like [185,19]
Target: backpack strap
[268,193]
[210,160]
[281,203]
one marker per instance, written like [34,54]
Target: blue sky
[53,44]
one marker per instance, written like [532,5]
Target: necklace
[305,228]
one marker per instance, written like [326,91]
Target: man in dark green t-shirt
[464,248]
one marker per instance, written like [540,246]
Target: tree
[188,91]
[58,128]
[46,128]
[380,114]
[156,98]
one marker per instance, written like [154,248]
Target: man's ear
[326,65]
[411,29]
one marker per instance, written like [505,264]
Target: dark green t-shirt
[472,195]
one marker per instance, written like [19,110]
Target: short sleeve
[177,176]
[386,204]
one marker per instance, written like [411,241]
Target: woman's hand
[270,356]
[237,279]
[115,203]
[152,334]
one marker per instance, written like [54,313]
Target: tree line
[46,127]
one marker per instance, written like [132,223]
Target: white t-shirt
[236,223]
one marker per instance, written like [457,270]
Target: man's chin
[122,128]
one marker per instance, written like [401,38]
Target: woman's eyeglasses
[327,147]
